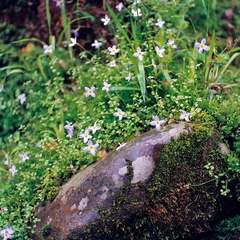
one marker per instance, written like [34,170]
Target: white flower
[159,51]
[139,54]
[113,63]
[106,86]
[113,50]
[128,77]
[22,98]
[120,6]
[13,170]
[90,92]
[119,113]
[154,64]
[157,123]
[1,88]
[105,20]
[185,116]
[201,46]
[91,147]
[85,136]
[94,128]
[137,13]
[24,156]
[121,146]
[137,2]
[159,23]
[48,49]
[96,44]
[73,42]
[170,42]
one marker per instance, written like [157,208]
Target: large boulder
[155,185]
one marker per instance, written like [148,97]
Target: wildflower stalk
[48,17]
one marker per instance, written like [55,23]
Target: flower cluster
[70,128]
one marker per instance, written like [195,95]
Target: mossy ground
[179,200]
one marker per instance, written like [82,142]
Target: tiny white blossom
[90,92]
[24,156]
[137,2]
[170,42]
[159,51]
[119,113]
[86,136]
[185,116]
[22,98]
[47,49]
[137,13]
[94,128]
[139,54]
[113,63]
[73,42]
[201,46]
[154,64]
[106,86]
[1,88]
[120,6]
[113,50]
[13,170]
[96,44]
[157,123]
[91,147]
[105,20]
[159,23]
[128,77]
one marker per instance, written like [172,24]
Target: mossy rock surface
[175,198]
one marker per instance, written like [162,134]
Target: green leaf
[121,88]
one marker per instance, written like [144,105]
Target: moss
[179,200]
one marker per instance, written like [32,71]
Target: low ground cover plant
[69,105]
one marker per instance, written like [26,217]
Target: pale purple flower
[157,123]
[106,86]
[139,54]
[105,20]
[47,49]
[113,50]
[22,98]
[137,13]
[94,128]
[120,6]
[96,44]
[69,134]
[73,42]
[69,126]
[91,147]
[159,51]
[159,23]
[24,156]
[90,92]
[201,46]
[169,31]
[58,3]
[185,116]
[75,32]
[6,233]
[6,162]
[13,170]
[128,77]
[154,64]
[1,88]
[170,42]
[86,136]
[119,113]
[163,0]
[113,63]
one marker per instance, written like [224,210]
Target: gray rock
[78,202]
